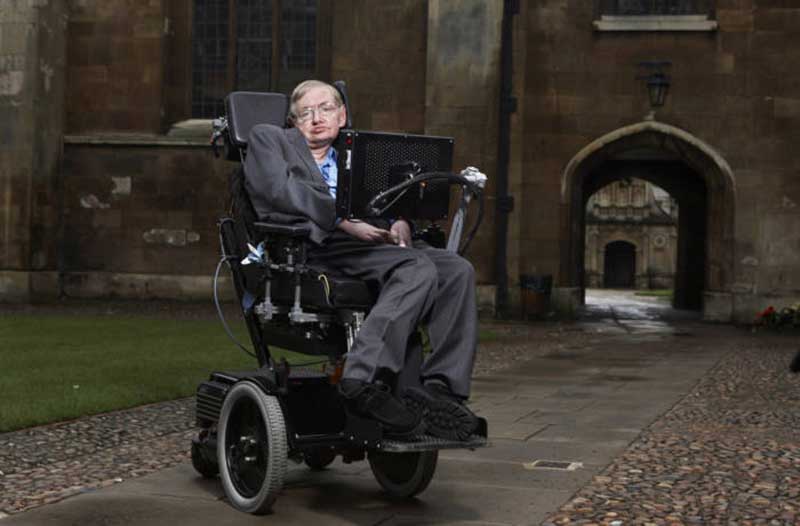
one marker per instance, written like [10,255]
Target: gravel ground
[728,453]
[48,463]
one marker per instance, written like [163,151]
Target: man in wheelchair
[292,172]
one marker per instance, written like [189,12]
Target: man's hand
[366,232]
[401,233]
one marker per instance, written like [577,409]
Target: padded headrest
[246,109]
[341,86]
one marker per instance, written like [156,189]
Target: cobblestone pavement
[728,453]
[49,463]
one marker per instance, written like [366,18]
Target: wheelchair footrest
[430,443]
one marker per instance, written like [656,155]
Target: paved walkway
[662,420]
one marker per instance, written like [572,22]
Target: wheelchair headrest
[341,87]
[246,109]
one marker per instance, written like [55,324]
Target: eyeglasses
[324,111]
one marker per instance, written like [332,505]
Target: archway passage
[689,190]
[620,265]
[690,171]
[641,214]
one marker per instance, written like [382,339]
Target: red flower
[766,313]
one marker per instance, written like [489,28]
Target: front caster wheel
[319,459]
[204,459]
[403,475]
[251,448]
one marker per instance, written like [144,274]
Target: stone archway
[687,168]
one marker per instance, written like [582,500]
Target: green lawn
[60,367]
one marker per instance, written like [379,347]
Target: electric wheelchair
[252,422]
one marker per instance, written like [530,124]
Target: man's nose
[316,116]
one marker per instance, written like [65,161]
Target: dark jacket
[281,176]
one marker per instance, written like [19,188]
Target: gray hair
[304,87]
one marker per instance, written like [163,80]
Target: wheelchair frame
[253,421]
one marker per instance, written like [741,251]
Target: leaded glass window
[655,7]
[253,45]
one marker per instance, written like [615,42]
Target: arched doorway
[619,265]
[691,171]
[641,214]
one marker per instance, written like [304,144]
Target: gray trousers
[419,285]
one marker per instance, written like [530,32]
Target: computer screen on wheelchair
[372,162]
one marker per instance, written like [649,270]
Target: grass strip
[61,367]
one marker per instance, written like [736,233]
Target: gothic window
[250,45]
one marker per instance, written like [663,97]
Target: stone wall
[32,45]
[116,64]
[730,88]
[136,212]
[379,49]
[463,71]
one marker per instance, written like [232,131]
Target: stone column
[462,101]
[32,59]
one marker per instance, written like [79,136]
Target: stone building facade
[631,235]
[105,189]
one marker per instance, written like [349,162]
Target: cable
[225,259]
[427,176]
[396,199]
[327,285]
[474,229]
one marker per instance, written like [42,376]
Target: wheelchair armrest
[282,230]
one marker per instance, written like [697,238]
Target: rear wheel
[403,475]
[251,448]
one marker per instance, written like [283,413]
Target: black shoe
[444,413]
[375,401]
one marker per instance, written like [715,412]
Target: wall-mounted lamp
[657,82]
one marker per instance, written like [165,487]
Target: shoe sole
[442,418]
[392,433]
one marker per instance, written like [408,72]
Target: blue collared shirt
[330,171]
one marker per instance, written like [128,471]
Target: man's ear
[342,117]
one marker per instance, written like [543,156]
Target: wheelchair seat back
[245,109]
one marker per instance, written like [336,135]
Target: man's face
[315,120]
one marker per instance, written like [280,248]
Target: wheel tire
[201,463]
[403,475]
[251,448]
[319,459]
